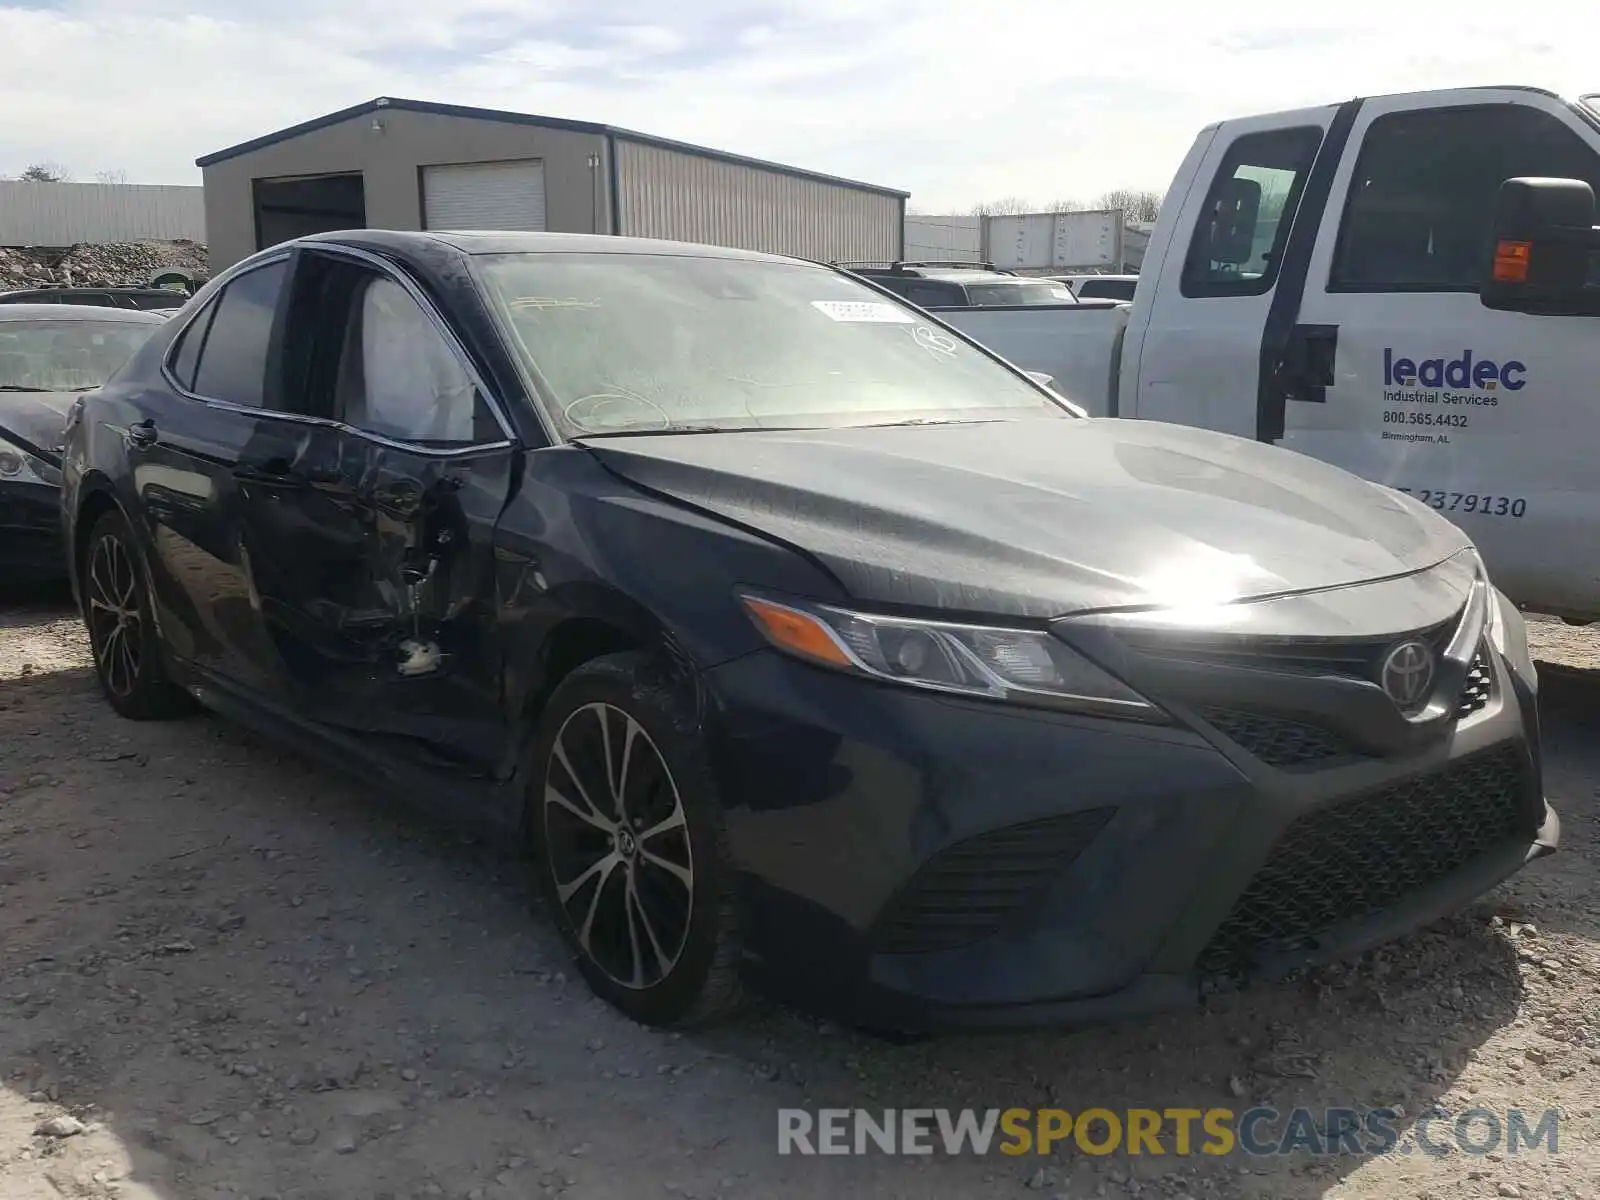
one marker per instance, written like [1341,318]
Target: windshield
[66,356]
[994,295]
[635,343]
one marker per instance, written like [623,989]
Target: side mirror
[1543,249]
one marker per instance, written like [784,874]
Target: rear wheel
[631,855]
[122,633]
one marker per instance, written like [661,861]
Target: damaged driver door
[396,632]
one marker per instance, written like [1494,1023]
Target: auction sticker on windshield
[872,312]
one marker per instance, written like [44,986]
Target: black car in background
[801,640]
[49,355]
[961,285]
[106,297]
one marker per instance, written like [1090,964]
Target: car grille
[979,886]
[1355,858]
[1279,742]
[27,517]
[1475,695]
[1348,658]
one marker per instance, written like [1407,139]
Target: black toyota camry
[801,641]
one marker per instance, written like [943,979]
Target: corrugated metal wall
[944,238]
[667,193]
[63,214]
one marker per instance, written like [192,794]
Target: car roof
[494,242]
[74,312]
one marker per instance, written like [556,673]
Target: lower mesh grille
[1478,689]
[1356,858]
[1276,741]
[979,886]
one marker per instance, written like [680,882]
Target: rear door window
[1239,238]
[185,354]
[233,361]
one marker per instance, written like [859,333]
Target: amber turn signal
[797,632]
[1511,261]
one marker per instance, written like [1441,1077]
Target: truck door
[1194,357]
[1397,371]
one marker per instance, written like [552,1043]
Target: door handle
[1309,363]
[143,433]
[276,469]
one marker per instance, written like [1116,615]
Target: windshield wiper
[18,387]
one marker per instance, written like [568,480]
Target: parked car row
[801,640]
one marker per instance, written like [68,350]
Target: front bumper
[916,862]
[30,532]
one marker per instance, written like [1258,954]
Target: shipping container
[944,238]
[1069,241]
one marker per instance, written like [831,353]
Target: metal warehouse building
[408,164]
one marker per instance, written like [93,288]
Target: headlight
[18,466]
[1024,666]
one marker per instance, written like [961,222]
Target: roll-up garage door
[497,195]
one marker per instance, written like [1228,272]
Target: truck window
[933,295]
[1238,239]
[1422,195]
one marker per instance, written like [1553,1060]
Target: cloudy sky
[952,100]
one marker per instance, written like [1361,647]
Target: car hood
[1044,518]
[36,421]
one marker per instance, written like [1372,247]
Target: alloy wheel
[116,626]
[619,848]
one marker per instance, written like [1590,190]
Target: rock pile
[121,264]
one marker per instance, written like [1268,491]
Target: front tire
[630,848]
[117,613]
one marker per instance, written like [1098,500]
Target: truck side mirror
[1543,249]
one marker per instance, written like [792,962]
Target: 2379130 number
[1470,502]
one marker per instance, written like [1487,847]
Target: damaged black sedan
[801,641]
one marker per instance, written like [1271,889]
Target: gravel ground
[229,973]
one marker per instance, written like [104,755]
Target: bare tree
[115,175]
[1136,205]
[46,172]
[1006,206]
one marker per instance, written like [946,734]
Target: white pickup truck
[1404,286]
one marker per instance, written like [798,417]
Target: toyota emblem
[1407,674]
